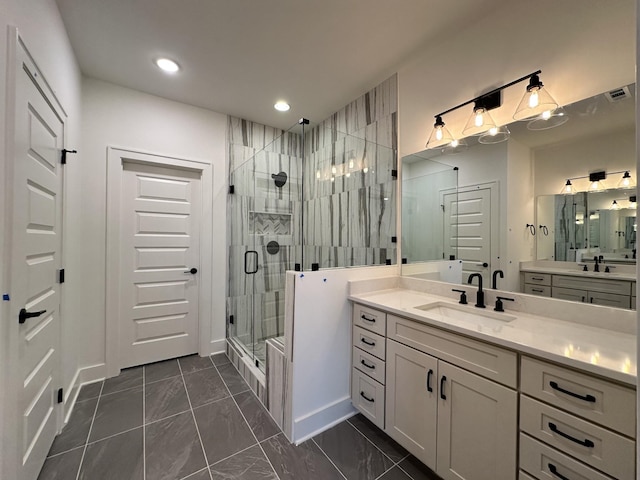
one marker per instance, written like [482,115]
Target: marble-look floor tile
[89,391]
[257,416]
[205,386]
[75,432]
[165,398]
[417,470]
[193,363]
[220,359]
[383,441]
[297,462]
[201,475]
[234,381]
[62,466]
[395,474]
[248,465]
[128,378]
[161,370]
[117,413]
[173,448]
[223,430]
[115,458]
[352,453]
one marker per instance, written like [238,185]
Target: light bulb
[626,182]
[567,188]
[318,174]
[594,185]
[333,179]
[493,131]
[348,174]
[479,121]
[455,143]
[365,169]
[546,115]
[334,170]
[350,163]
[439,134]
[533,99]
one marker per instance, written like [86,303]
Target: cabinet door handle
[586,398]
[442,395]
[372,367]
[591,300]
[537,290]
[366,398]
[364,340]
[367,319]
[583,299]
[540,279]
[429,375]
[554,471]
[585,443]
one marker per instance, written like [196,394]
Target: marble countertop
[597,350]
[579,273]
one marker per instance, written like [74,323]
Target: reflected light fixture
[454,147]
[167,65]
[548,119]
[536,101]
[626,181]
[495,135]
[440,134]
[614,205]
[633,202]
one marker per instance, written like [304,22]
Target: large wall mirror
[508,207]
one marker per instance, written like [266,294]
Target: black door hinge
[61,275]
[394,174]
[231,320]
[60,395]
[63,159]
[257,363]
[232,189]
[394,239]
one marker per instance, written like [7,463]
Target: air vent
[618,94]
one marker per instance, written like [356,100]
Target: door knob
[23,315]
[193,271]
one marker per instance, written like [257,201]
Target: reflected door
[468,229]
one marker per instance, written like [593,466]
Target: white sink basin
[469,314]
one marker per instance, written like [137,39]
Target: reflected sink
[469,314]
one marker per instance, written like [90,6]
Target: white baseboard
[217,346]
[83,376]
[322,419]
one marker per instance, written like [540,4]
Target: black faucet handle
[463,295]
[584,267]
[499,306]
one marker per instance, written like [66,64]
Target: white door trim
[115,156]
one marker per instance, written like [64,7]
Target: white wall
[42,30]
[583,47]
[117,116]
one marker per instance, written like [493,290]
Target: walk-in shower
[303,199]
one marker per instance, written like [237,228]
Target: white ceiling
[240,56]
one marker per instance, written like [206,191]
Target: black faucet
[494,282]
[596,266]
[499,305]
[480,294]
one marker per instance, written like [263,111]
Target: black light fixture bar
[490,95]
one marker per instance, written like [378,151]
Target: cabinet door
[477,427]
[411,409]
[610,300]
[569,294]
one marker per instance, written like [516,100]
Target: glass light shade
[440,135]
[626,181]
[495,135]
[479,122]
[535,101]
[454,147]
[614,205]
[568,188]
[597,186]
[548,119]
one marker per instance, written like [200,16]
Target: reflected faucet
[494,282]
[596,266]
[480,294]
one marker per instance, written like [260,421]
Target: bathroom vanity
[478,394]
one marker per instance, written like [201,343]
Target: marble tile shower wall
[347,221]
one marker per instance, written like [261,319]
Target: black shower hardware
[279,179]
[544,230]
[192,271]
[480,294]
[494,281]
[463,296]
[532,228]
[499,306]
[273,247]
[246,262]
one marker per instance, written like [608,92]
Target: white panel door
[160,232]
[36,246]
[468,226]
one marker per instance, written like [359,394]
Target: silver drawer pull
[367,319]
[372,367]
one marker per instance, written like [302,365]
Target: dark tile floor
[195,418]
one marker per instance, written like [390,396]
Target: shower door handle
[246,263]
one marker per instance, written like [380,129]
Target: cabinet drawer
[571,294]
[589,397]
[368,364]
[609,299]
[486,360]
[370,319]
[369,342]
[540,290]
[537,278]
[367,395]
[525,476]
[600,448]
[541,461]
[619,287]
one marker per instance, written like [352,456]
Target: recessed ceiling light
[282,106]
[167,65]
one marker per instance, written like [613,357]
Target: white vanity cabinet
[459,424]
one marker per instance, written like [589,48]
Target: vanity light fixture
[596,181]
[568,188]
[455,147]
[537,101]
[614,205]
[633,202]
[626,181]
